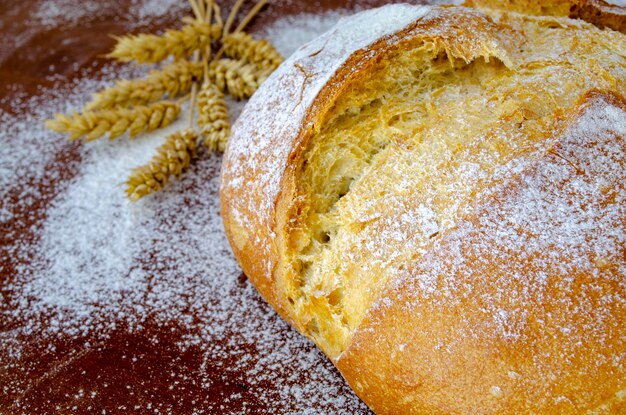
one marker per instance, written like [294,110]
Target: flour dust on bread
[435,196]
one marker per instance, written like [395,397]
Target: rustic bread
[436,197]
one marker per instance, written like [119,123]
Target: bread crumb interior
[403,153]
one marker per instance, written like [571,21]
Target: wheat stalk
[94,124]
[251,15]
[231,16]
[213,118]
[242,46]
[174,79]
[236,77]
[172,158]
[149,48]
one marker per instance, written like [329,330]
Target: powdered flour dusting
[96,264]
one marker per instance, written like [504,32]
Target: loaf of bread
[436,196]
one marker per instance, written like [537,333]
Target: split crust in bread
[436,197]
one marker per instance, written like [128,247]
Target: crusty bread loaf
[437,198]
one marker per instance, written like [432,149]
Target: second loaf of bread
[436,197]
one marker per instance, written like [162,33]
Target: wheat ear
[172,158]
[237,78]
[149,48]
[94,124]
[213,118]
[174,79]
[242,46]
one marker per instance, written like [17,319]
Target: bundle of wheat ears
[194,73]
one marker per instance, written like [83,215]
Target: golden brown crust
[597,12]
[601,14]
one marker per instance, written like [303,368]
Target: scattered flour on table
[91,271]
[288,33]
[56,13]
